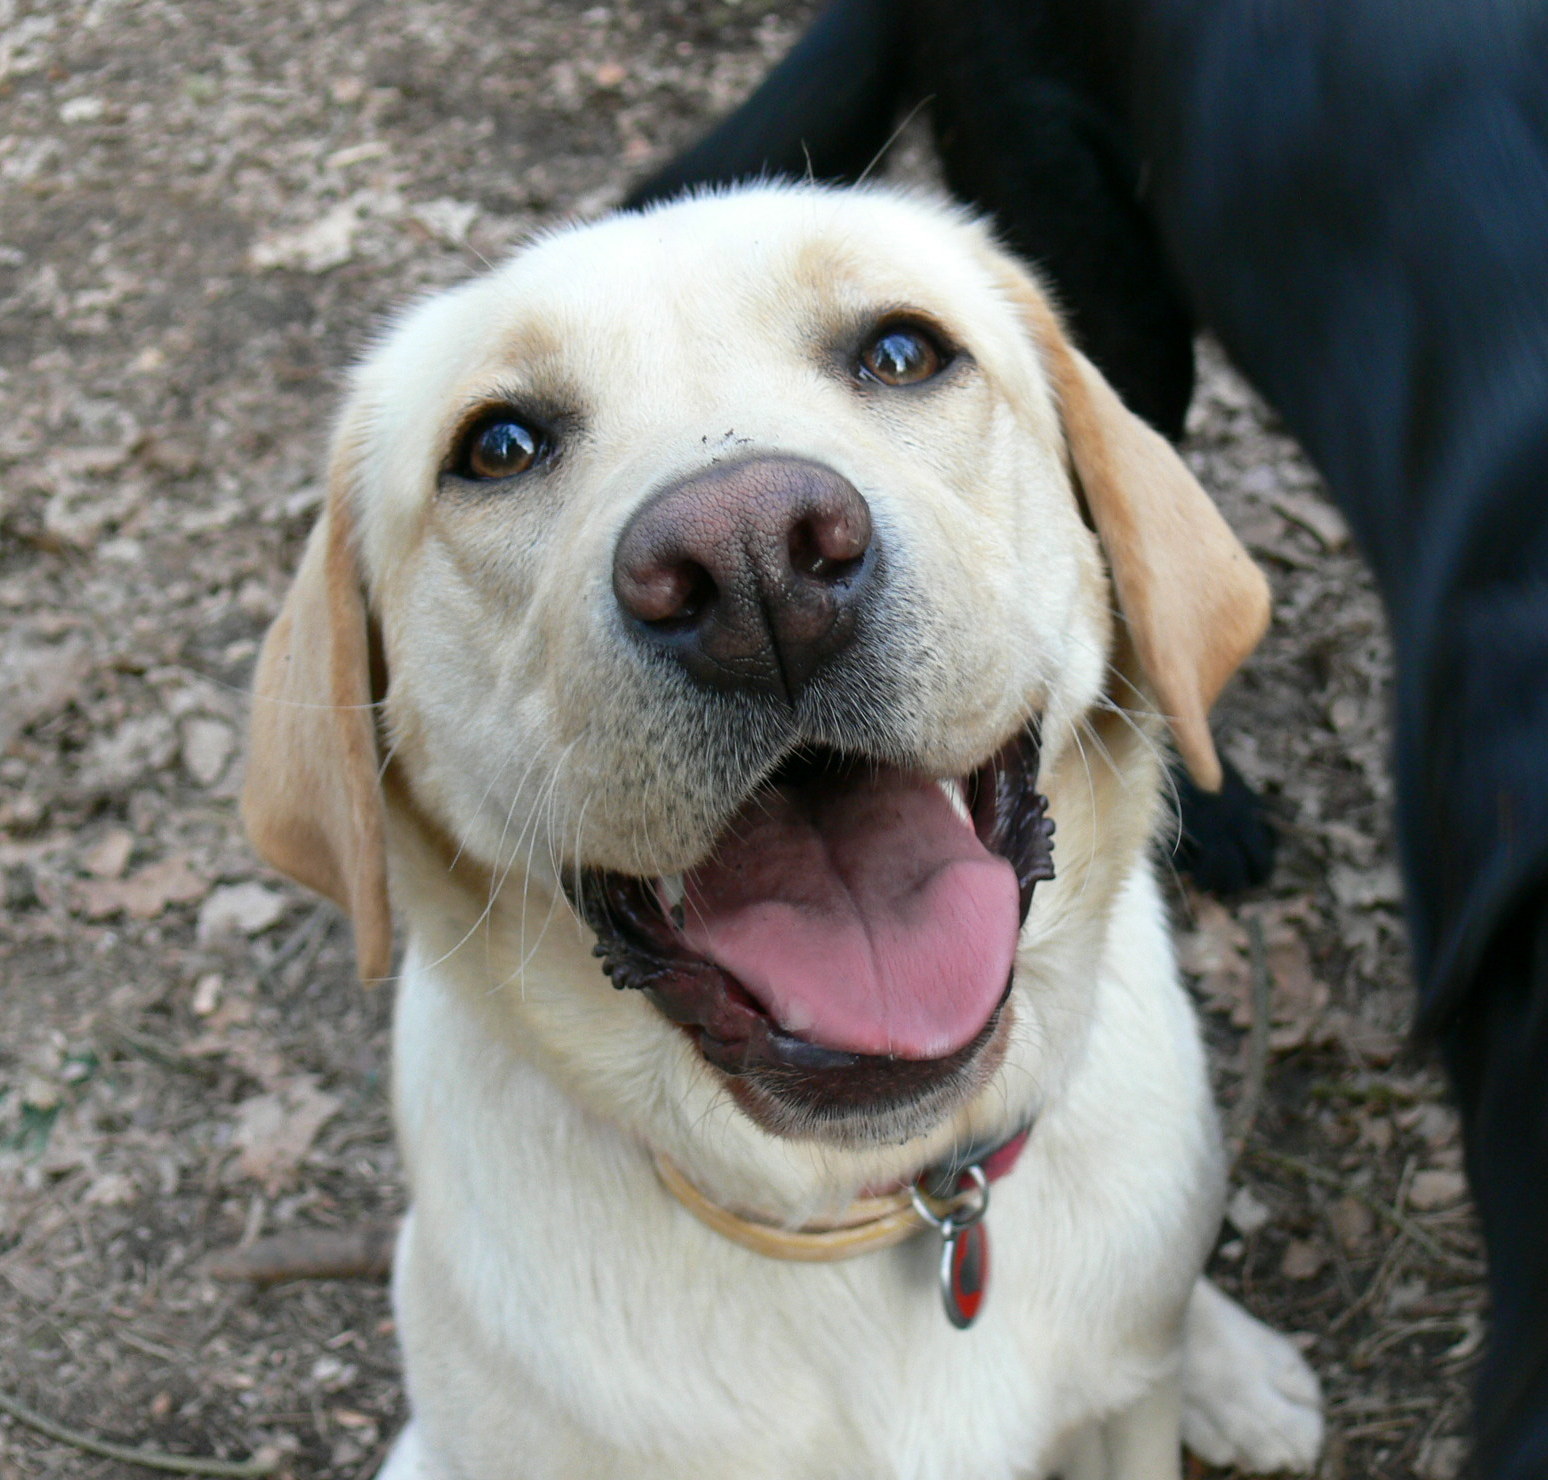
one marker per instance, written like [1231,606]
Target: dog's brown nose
[751,573]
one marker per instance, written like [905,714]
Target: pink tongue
[861,915]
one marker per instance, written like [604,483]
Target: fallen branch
[310,1254]
[151,1459]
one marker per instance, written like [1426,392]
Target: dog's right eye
[500,445]
[901,353]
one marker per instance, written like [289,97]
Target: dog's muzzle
[848,945]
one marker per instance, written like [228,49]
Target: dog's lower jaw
[855,1108]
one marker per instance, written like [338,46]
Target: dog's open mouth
[851,938]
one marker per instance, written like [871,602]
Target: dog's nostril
[698,595]
[830,546]
[668,595]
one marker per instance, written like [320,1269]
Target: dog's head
[747,569]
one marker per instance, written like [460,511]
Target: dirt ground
[204,210]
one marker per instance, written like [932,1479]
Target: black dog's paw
[1227,843]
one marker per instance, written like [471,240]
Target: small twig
[1373,1287]
[1401,1221]
[1386,1269]
[304,943]
[159,1054]
[1373,1092]
[151,1348]
[151,1459]
[1374,1345]
[1244,1113]
[311,1254]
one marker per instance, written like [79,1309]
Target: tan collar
[867,1224]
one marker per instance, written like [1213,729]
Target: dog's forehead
[775,262]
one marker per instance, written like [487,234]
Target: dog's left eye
[901,354]
[499,446]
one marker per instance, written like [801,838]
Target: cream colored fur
[561,1315]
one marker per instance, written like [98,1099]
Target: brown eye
[500,446]
[900,354]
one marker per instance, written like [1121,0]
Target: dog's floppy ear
[313,799]
[1194,602]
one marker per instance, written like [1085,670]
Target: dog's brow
[545,391]
[533,344]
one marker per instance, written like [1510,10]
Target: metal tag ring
[961,1211]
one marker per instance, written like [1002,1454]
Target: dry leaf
[239,909]
[1303,1259]
[322,244]
[208,745]
[1216,953]
[1352,1221]
[275,1131]
[1442,1459]
[36,682]
[206,995]
[1436,1125]
[1473,1333]
[1364,1040]
[108,857]
[1246,1212]
[112,1190]
[1314,515]
[1436,1189]
[1362,888]
[119,757]
[446,220]
[145,894]
[1376,1131]
[1298,998]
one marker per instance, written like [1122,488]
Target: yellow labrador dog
[713,611]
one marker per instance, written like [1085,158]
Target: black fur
[1225,842]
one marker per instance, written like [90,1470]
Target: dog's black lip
[641,949]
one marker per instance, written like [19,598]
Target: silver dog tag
[964,1264]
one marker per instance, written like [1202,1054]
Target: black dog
[1354,198]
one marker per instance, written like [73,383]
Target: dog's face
[727,571]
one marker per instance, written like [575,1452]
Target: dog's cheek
[652,773]
[989,614]
[465,720]
[938,626]
[1078,632]
[526,732]
[640,763]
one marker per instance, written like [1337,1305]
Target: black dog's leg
[826,111]
[1063,196]
[1022,136]
[1497,1050]
[1225,841]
